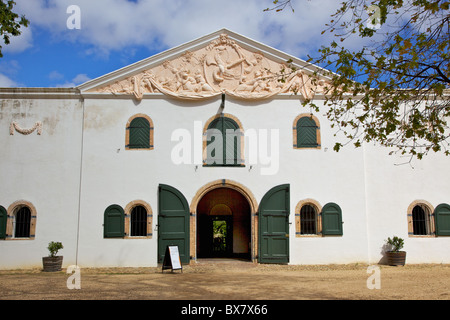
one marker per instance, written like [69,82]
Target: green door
[273,224]
[173,222]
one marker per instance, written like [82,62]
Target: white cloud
[55,75]
[159,24]
[77,80]
[81,78]
[9,71]
[6,82]
[19,43]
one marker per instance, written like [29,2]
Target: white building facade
[126,164]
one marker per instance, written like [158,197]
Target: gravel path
[232,280]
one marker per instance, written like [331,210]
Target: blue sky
[116,33]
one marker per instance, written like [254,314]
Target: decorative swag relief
[15,127]
[221,67]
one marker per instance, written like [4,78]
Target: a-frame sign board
[172,259]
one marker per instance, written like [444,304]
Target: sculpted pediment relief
[220,67]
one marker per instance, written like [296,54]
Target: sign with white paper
[172,259]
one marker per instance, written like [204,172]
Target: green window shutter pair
[306,133]
[332,220]
[442,219]
[230,146]
[139,134]
[114,222]
[3,220]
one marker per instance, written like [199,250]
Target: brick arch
[316,205]
[244,191]
[226,115]
[294,130]
[129,208]
[127,131]
[12,209]
[224,183]
[429,209]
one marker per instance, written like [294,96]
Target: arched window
[21,221]
[420,222]
[311,219]
[307,218]
[138,220]
[223,142]
[139,133]
[306,132]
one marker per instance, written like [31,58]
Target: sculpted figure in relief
[220,67]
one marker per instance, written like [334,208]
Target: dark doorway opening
[223,225]
[222,236]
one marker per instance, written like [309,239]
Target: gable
[222,62]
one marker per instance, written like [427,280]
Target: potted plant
[53,262]
[395,256]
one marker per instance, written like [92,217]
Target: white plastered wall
[113,175]
[371,190]
[43,170]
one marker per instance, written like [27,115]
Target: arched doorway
[223,225]
[244,193]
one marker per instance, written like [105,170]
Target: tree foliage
[394,89]
[10,22]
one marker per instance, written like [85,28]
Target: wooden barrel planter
[396,258]
[52,264]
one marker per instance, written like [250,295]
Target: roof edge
[41,92]
[192,45]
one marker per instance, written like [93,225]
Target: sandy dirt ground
[233,280]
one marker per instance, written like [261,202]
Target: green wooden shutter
[231,143]
[139,133]
[442,219]
[3,220]
[331,220]
[114,222]
[211,144]
[306,133]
